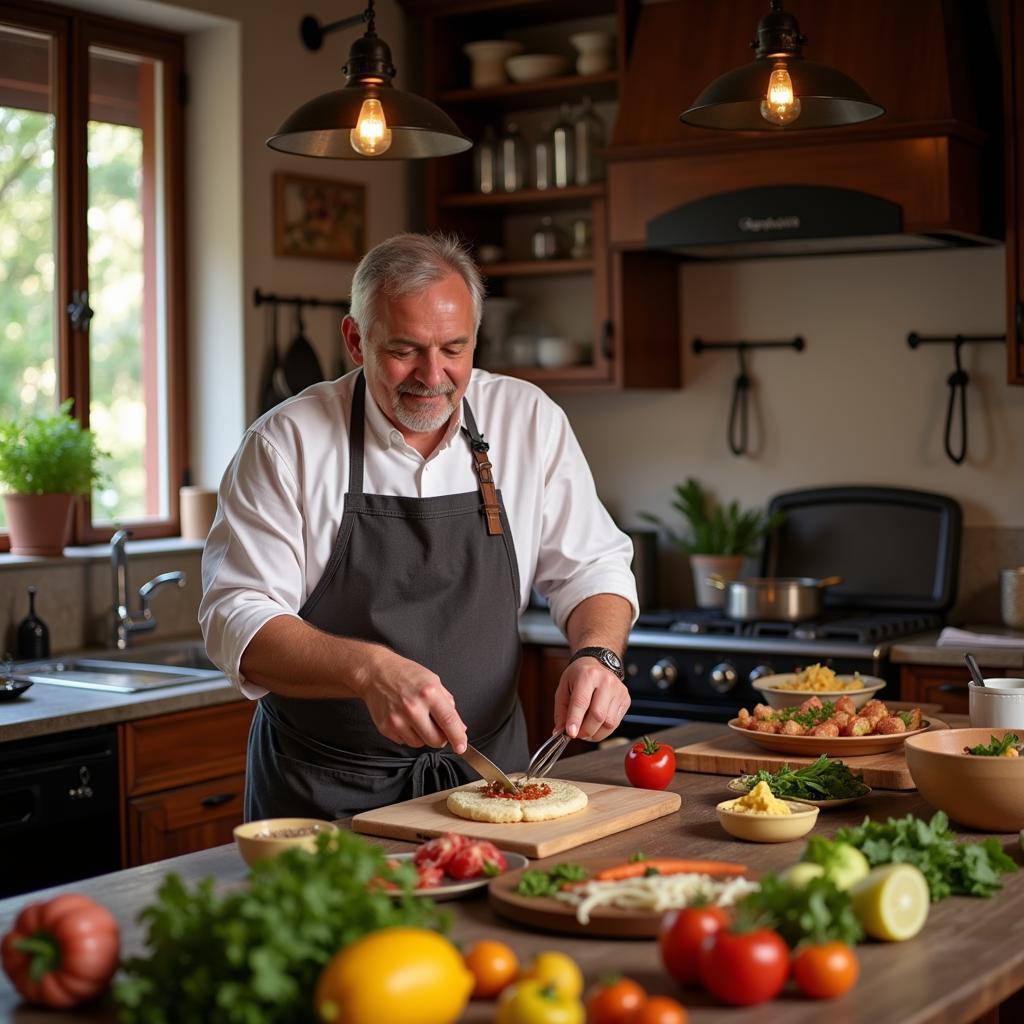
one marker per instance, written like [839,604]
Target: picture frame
[319,218]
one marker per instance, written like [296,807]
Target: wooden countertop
[963,963]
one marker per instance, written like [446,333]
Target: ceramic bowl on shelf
[487,61]
[768,828]
[534,67]
[267,838]
[554,352]
[595,51]
[773,688]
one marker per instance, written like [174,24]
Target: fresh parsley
[825,779]
[535,882]
[952,868]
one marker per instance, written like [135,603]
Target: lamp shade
[828,98]
[321,127]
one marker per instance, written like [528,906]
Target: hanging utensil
[269,395]
[976,675]
[301,367]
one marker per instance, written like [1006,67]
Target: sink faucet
[125,622]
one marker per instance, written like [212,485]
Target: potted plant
[719,538]
[45,463]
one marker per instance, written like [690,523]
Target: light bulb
[371,135]
[780,106]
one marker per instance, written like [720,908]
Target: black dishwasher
[58,809]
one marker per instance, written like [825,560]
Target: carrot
[669,866]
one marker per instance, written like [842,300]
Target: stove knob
[664,673]
[723,677]
[760,672]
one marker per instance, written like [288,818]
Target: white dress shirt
[281,502]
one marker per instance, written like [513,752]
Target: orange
[493,966]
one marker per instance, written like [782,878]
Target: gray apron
[427,578]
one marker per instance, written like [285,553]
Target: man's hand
[590,700]
[409,704]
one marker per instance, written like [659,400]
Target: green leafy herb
[546,883]
[996,747]
[651,871]
[815,912]
[491,870]
[951,867]
[825,779]
[252,955]
[638,856]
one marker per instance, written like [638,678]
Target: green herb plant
[253,955]
[825,779]
[713,529]
[48,454]
[535,882]
[951,868]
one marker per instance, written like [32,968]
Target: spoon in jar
[976,675]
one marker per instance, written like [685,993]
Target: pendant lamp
[369,118]
[780,89]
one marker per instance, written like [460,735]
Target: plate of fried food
[834,727]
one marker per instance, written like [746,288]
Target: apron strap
[482,464]
[357,429]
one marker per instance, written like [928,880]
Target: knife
[487,768]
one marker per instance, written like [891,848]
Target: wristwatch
[605,655]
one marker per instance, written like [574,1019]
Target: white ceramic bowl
[532,67]
[992,707]
[488,58]
[776,698]
[553,351]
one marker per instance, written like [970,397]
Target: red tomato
[439,851]
[613,1001]
[429,876]
[826,971]
[478,858]
[659,1010]
[650,765]
[681,936]
[744,968]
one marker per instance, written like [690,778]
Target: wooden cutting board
[611,809]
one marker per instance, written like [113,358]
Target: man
[364,575]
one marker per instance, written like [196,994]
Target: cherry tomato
[440,850]
[681,936]
[659,1010]
[612,1001]
[744,968]
[650,765]
[826,971]
[493,966]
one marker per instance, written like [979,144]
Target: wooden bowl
[778,698]
[768,828]
[984,793]
[257,840]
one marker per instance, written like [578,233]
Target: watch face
[612,661]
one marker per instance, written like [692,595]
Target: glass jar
[546,241]
[563,142]
[588,138]
[485,162]
[511,160]
[544,160]
[582,239]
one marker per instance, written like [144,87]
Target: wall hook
[738,435]
[260,297]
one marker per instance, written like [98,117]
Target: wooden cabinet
[620,307]
[1013,96]
[939,684]
[182,780]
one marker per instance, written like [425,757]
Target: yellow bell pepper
[537,1002]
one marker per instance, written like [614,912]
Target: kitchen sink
[141,668]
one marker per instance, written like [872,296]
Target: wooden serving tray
[611,809]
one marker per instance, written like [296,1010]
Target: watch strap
[605,655]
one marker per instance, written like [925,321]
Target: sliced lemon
[892,902]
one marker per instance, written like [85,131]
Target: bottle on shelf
[563,141]
[485,162]
[512,159]
[546,242]
[588,138]
[582,239]
[33,637]
[544,160]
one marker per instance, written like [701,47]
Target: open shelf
[527,198]
[548,92]
[536,268]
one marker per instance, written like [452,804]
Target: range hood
[920,177]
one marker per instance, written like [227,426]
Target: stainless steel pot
[779,598]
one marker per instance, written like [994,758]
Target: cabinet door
[937,684]
[1013,76]
[184,820]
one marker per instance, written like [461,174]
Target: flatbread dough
[564,798]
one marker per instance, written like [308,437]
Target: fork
[547,754]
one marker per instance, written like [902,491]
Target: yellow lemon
[892,902]
[557,969]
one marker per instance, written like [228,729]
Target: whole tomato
[744,968]
[612,1000]
[63,951]
[826,971]
[650,765]
[681,936]
[494,966]
[659,1010]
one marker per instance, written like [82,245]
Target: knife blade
[488,770]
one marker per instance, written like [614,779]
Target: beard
[427,419]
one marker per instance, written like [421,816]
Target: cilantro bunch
[951,868]
[253,955]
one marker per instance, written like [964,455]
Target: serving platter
[834,746]
[736,786]
[451,888]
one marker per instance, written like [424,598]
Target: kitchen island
[964,962]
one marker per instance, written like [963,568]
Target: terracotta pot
[726,566]
[39,524]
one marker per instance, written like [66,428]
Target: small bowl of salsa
[257,840]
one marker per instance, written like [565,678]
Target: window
[91,250]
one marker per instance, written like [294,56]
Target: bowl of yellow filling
[790,689]
[761,817]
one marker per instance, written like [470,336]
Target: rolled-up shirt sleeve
[582,552]
[254,560]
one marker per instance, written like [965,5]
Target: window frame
[73,33]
